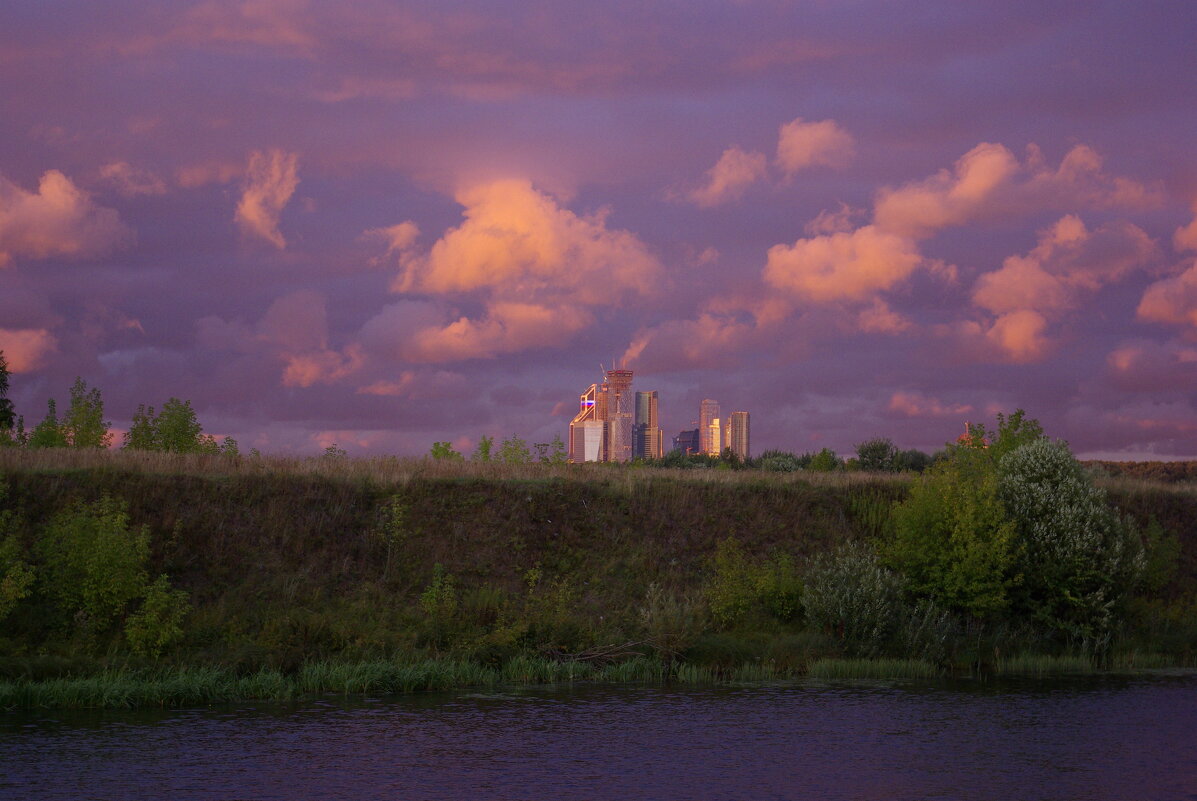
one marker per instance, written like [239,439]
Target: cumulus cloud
[25,348]
[735,171]
[677,344]
[1068,264]
[270,181]
[1185,238]
[1069,261]
[1146,366]
[990,182]
[398,238]
[59,219]
[1172,301]
[419,385]
[802,144]
[539,269]
[881,319]
[916,404]
[132,181]
[844,266]
[294,332]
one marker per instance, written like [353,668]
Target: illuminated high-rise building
[738,436]
[583,446]
[648,437]
[714,438]
[601,431]
[708,412]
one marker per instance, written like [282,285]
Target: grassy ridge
[294,588]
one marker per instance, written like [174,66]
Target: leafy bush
[1078,559]
[95,565]
[953,539]
[159,623]
[852,596]
[877,455]
[738,585]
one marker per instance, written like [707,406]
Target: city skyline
[381,225]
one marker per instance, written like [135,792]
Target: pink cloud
[1185,237]
[132,181]
[322,366]
[270,181]
[59,219]
[735,171]
[676,344]
[1172,301]
[916,404]
[1020,334]
[881,319]
[1069,261]
[419,385]
[516,241]
[989,182]
[398,238]
[25,348]
[845,266]
[802,144]
[1145,366]
[540,269]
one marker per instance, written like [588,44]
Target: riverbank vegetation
[148,577]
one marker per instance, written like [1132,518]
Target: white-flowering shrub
[1077,558]
[850,595]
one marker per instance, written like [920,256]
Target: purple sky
[384,224]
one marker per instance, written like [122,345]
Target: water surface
[1088,739]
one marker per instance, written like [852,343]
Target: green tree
[16,575]
[174,429]
[95,564]
[49,432]
[514,451]
[953,539]
[7,415]
[84,425]
[483,452]
[158,624]
[877,455]
[445,451]
[825,461]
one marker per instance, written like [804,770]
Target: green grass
[1042,665]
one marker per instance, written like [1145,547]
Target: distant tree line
[174,428]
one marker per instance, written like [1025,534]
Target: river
[1089,739]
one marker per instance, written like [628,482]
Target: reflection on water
[1091,739]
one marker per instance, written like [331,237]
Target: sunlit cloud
[540,269]
[1144,366]
[58,219]
[802,144]
[25,349]
[131,181]
[989,182]
[844,266]
[270,181]
[735,171]
[917,404]
[398,238]
[1172,301]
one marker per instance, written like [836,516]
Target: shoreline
[180,687]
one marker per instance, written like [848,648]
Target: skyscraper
[601,431]
[738,436]
[620,412]
[647,432]
[584,446]
[708,412]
